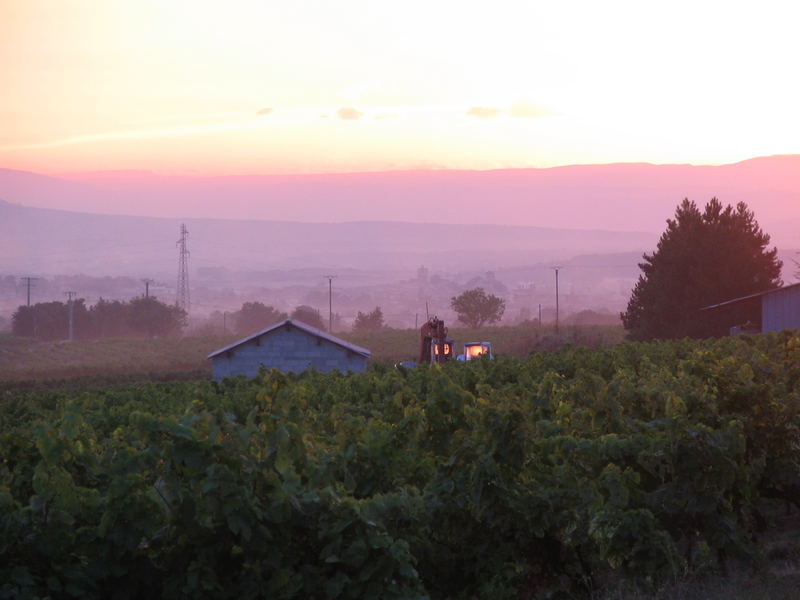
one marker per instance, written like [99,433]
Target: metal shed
[772,310]
[290,346]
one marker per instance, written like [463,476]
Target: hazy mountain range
[53,241]
[627,197]
[370,220]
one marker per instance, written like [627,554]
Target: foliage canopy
[546,477]
[371,321]
[309,315]
[475,307]
[143,316]
[254,316]
[702,258]
[153,318]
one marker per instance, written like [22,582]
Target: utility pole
[330,279]
[71,314]
[182,296]
[29,280]
[556,270]
[540,315]
[147,283]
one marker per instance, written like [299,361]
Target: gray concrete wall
[286,349]
[781,310]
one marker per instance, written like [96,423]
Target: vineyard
[558,475]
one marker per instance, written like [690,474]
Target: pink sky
[316,86]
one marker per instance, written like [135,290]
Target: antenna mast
[182,297]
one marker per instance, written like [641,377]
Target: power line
[71,314]
[216,306]
[628,266]
[147,283]
[182,296]
[556,270]
[330,279]
[29,280]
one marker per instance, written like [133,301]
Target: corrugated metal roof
[759,294]
[302,326]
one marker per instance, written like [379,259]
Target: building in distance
[289,346]
[772,310]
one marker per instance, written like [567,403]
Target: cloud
[384,116]
[139,134]
[520,109]
[483,112]
[528,110]
[265,111]
[348,113]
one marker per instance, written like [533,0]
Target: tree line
[474,307]
[704,257]
[254,316]
[139,317]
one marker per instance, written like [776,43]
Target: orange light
[476,350]
[436,349]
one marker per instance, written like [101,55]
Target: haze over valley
[436,233]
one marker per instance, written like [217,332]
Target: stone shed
[288,346]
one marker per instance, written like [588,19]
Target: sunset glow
[317,86]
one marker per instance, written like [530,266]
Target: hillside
[613,197]
[55,241]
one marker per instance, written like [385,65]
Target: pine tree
[701,259]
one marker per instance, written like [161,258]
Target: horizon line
[435,169]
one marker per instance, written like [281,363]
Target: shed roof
[302,326]
[750,296]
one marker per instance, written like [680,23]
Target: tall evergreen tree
[701,259]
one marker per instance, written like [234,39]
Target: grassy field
[24,359]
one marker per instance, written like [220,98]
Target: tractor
[437,348]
